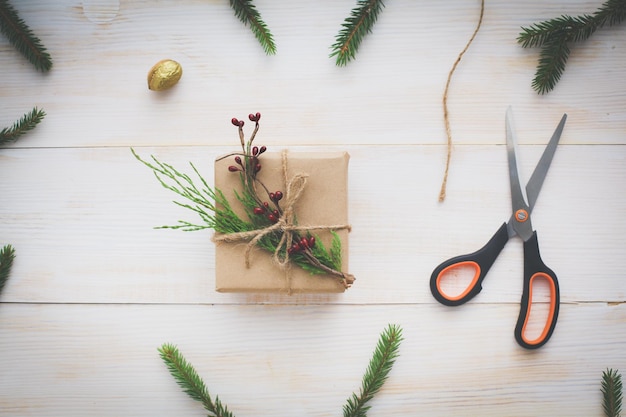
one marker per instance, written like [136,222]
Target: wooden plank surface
[102,360]
[95,289]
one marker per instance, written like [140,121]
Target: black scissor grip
[481,260]
[534,268]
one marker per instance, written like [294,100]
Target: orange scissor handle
[481,261]
[535,269]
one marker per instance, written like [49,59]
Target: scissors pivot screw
[521,215]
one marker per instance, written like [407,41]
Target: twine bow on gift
[294,188]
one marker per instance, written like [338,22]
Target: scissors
[519,224]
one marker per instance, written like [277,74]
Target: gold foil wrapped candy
[164,74]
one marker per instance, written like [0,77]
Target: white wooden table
[95,289]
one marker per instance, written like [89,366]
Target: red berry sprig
[302,245]
[250,153]
[264,210]
[247,164]
[276,196]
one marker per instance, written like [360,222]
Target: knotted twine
[294,187]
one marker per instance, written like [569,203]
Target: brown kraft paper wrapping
[323,202]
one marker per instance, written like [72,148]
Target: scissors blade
[539,174]
[518,195]
[520,219]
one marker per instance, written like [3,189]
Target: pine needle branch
[189,380]
[22,38]
[554,36]
[612,393]
[247,13]
[552,59]
[7,254]
[377,371]
[355,28]
[26,123]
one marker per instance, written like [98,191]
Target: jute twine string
[294,187]
[446,117]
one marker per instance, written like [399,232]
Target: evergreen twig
[377,371]
[22,38]
[354,28]
[28,122]
[217,214]
[375,376]
[555,35]
[247,13]
[612,393]
[189,380]
[7,254]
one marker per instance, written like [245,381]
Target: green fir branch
[216,213]
[552,59]
[354,28]
[377,371]
[7,255]
[22,38]
[612,393]
[28,122]
[248,14]
[189,380]
[555,35]
[375,376]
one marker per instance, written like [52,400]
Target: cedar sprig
[555,35]
[22,38]
[612,392]
[248,14]
[28,122]
[203,200]
[377,372]
[354,28]
[7,255]
[217,214]
[189,380]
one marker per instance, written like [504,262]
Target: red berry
[257,167]
[311,241]
[258,116]
[276,213]
[255,150]
[278,195]
[266,204]
[241,123]
[304,243]
[233,168]
[272,218]
[262,149]
[272,196]
[235,121]
[238,160]
[252,117]
[259,210]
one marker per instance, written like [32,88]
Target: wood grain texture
[301,360]
[95,289]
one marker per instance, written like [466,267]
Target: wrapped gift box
[324,201]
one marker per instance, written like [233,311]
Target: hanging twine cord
[446,117]
[294,187]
